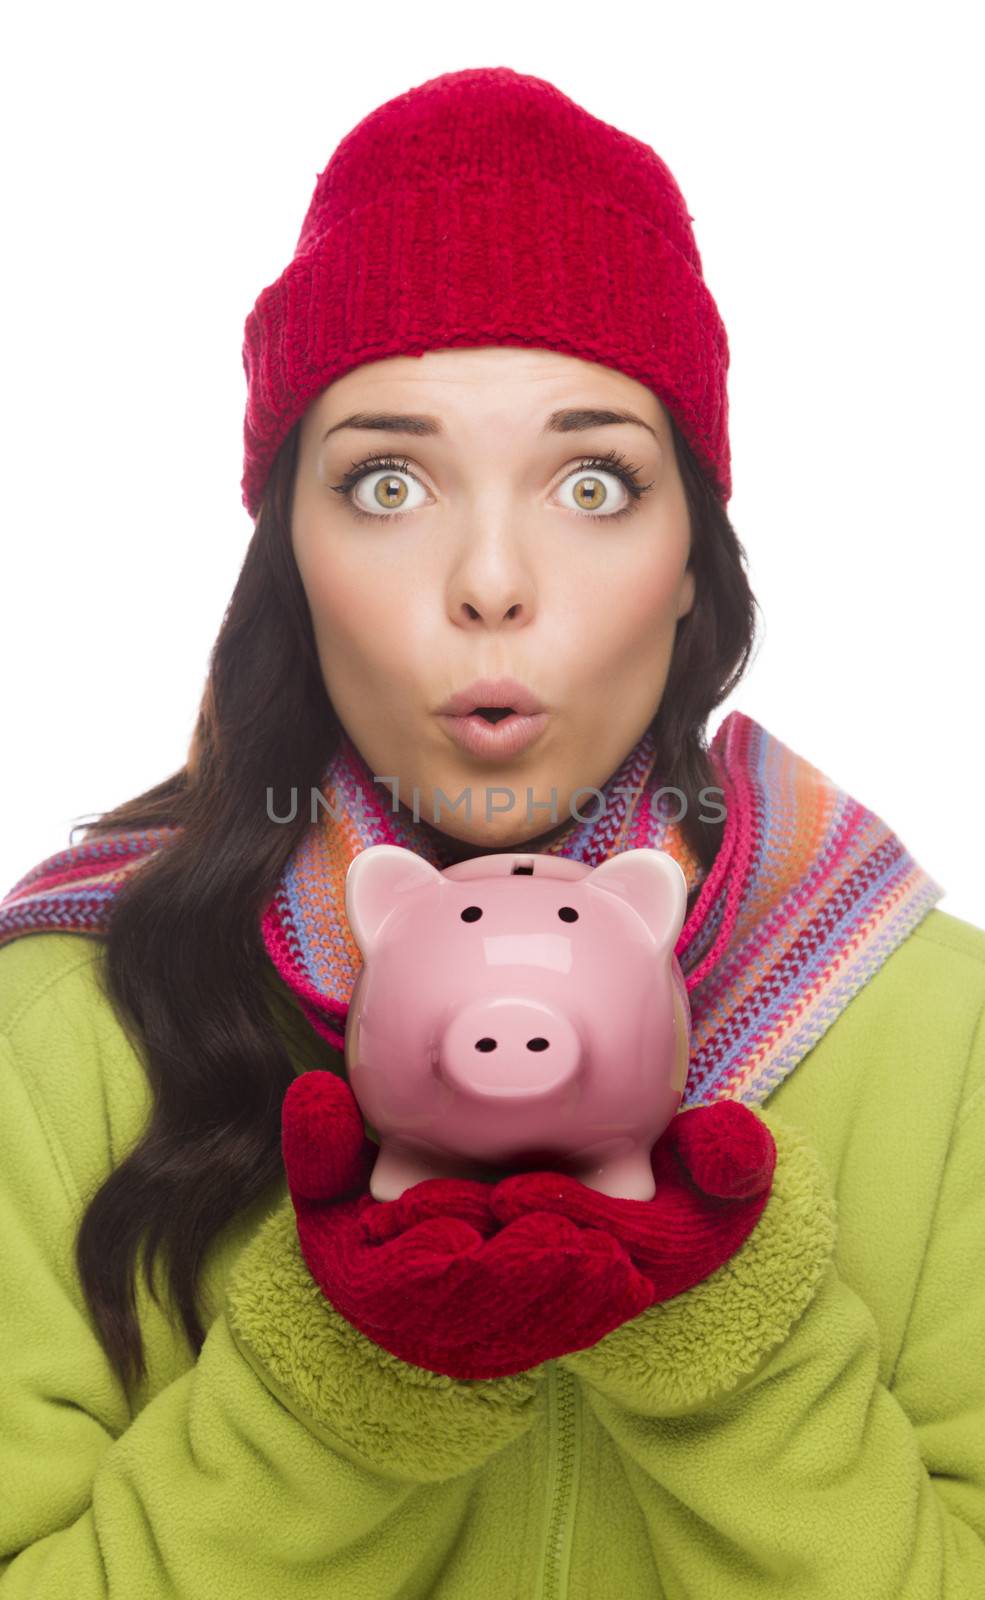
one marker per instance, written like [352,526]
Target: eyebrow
[572,420]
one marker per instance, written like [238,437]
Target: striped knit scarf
[808,895]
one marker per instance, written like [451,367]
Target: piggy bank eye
[568,914]
[471,913]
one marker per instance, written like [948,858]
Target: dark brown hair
[183,956]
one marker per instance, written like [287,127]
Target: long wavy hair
[183,955]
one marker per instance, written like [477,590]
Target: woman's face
[491,551]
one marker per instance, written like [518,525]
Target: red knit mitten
[480,1281]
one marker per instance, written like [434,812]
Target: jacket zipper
[563,1417]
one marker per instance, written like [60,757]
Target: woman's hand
[483,1281]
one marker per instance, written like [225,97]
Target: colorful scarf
[808,895]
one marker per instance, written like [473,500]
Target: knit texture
[480,1281]
[484,207]
[809,893]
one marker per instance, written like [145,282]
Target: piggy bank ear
[654,885]
[375,879]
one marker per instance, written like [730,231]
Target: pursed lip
[492,692]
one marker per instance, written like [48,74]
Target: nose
[492,585]
[509,1050]
[492,612]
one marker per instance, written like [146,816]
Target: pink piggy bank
[517,1012]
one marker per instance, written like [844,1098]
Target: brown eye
[568,914]
[595,494]
[389,491]
[471,913]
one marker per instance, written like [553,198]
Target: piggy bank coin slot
[523,866]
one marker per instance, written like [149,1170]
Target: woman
[766,1381]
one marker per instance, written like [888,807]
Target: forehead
[444,386]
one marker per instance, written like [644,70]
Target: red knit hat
[486,208]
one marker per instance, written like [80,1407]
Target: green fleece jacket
[808,1422]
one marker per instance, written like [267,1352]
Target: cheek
[652,598]
[640,603]
[365,638]
[348,602]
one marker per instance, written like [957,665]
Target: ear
[376,876]
[653,883]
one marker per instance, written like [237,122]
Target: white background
[158,164]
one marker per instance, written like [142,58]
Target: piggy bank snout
[510,1049]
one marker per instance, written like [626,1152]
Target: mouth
[493,713]
[494,718]
[495,732]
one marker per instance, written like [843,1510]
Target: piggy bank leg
[400,1166]
[625,1177]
